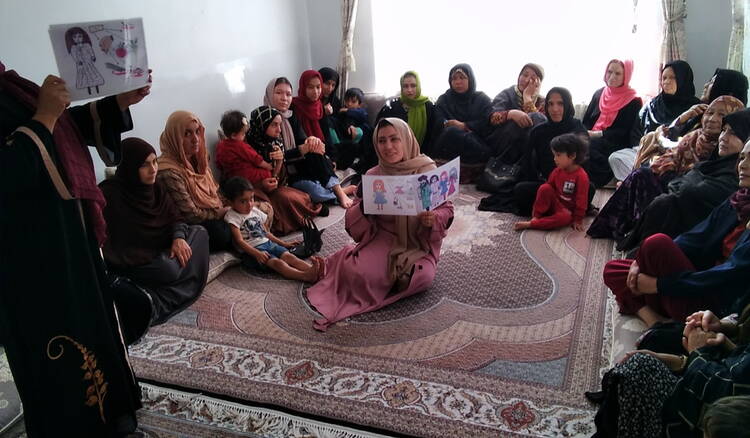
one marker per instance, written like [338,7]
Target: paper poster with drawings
[100,58]
[409,195]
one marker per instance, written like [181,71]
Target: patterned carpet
[513,331]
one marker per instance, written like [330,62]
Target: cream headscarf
[195,173]
[287,133]
[407,247]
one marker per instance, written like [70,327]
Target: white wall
[707,28]
[191,45]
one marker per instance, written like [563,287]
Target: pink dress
[357,279]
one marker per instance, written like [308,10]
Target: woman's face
[459,82]
[313,89]
[615,75]
[282,97]
[668,81]
[743,167]
[147,171]
[328,87]
[274,128]
[191,139]
[409,87]
[555,107]
[389,144]
[729,143]
[713,118]
[526,76]
[707,89]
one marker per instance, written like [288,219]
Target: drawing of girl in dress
[378,188]
[79,47]
[444,185]
[453,180]
[424,192]
[435,183]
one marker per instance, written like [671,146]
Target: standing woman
[466,113]
[58,320]
[184,171]
[320,180]
[416,110]
[609,118]
[394,256]
[677,96]
[147,240]
[515,111]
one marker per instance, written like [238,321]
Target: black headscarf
[464,106]
[330,74]
[728,83]
[740,123]
[260,119]
[664,108]
[140,217]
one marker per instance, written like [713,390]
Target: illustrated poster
[100,58]
[409,195]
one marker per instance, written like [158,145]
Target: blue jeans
[315,189]
[274,251]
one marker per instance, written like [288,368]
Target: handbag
[312,241]
[498,175]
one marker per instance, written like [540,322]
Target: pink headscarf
[612,99]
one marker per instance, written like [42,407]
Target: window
[571,39]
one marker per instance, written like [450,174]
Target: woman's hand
[313,145]
[632,279]
[696,110]
[695,337]
[276,155]
[456,124]
[426,218]
[521,118]
[531,90]
[269,184]
[704,319]
[124,100]
[496,118]
[328,109]
[181,250]
[53,99]
[672,361]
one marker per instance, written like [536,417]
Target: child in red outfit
[563,199]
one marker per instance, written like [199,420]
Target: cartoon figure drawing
[425,191]
[115,44]
[444,185]
[378,188]
[453,181]
[79,47]
[435,187]
[397,195]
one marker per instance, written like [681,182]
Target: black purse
[498,176]
[312,241]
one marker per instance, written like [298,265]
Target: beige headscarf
[407,247]
[196,173]
[287,133]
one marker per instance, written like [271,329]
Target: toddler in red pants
[563,199]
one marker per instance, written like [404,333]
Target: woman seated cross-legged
[394,256]
[147,241]
[704,268]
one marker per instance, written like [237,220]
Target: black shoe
[324,210]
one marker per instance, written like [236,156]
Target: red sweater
[237,158]
[572,189]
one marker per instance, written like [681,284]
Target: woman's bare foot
[649,316]
[522,225]
[343,199]
[310,275]
[321,264]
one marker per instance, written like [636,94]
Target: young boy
[260,247]
[356,132]
[562,200]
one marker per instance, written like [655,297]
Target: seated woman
[677,96]
[662,394]
[626,205]
[466,113]
[394,256]
[691,197]
[184,172]
[538,161]
[706,267]
[416,110]
[331,106]
[146,239]
[609,119]
[514,111]
[316,175]
[236,158]
[723,83]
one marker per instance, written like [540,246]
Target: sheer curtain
[673,43]
[737,37]
[346,60]
[572,40]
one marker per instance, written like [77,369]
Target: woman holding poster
[393,256]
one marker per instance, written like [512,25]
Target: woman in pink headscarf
[609,118]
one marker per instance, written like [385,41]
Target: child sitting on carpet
[562,200]
[258,246]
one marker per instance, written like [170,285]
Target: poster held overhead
[100,58]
